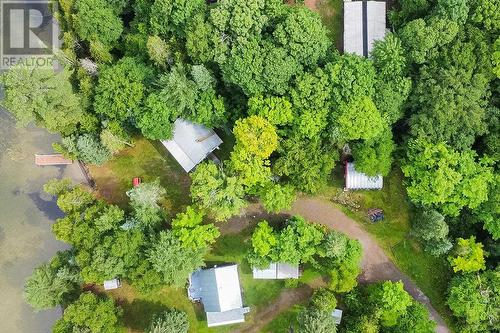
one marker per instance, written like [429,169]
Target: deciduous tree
[42,96]
[315,321]
[121,89]
[169,321]
[96,20]
[276,197]
[391,301]
[172,260]
[360,119]
[191,231]
[468,256]
[90,313]
[431,228]
[374,157]
[475,300]
[216,192]
[445,179]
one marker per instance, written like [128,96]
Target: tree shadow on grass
[138,314]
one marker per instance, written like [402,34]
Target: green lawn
[285,320]
[429,273]
[331,15]
[147,160]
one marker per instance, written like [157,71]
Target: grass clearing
[147,160]
[284,320]
[331,15]
[138,309]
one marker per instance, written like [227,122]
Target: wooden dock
[51,159]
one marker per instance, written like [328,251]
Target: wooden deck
[51,159]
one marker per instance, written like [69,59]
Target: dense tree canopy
[120,89]
[468,256]
[42,96]
[97,20]
[443,178]
[170,321]
[216,192]
[51,283]
[427,97]
[172,260]
[90,313]
[475,300]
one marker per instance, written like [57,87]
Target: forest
[267,74]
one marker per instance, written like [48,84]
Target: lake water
[26,215]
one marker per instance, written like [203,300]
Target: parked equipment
[375,214]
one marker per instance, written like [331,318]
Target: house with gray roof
[364,23]
[219,290]
[191,143]
[277,271]
[355,180]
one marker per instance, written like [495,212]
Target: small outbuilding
[277,271]
[191,143]
[112,284]
[219,290]
[364,23]
[355,180]
[337,316]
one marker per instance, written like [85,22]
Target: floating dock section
[51,159]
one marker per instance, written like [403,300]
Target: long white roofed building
[355,180]
[364,23]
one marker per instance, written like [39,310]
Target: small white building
[191,143]
[364,23]
[355,180]
[277,271]
[219,290]
[112,284]
[337,316]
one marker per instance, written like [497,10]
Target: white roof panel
[191,143]
[337,316]
[375,22]
[287,271]
[225,318]
[277,271]
[353,27]
[355,180]
[111,284]
[228,286]
[266,273]
[360,18]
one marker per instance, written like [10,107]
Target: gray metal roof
[191,143]
[219,290]
[226,318]
[364,23]
[277,271]
[355,180]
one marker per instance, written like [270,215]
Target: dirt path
[376,265]
[286,300]
[312,4]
